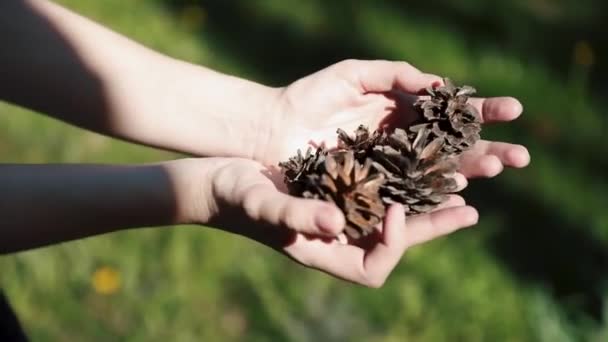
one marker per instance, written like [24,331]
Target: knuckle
[435,226]
[307,261]
[404,65]
[372,280]
[222,183]
[251,202]
[289,216]
[375,282]
[520,147]
[349,63]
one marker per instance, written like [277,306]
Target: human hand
[374,93]
[243,197]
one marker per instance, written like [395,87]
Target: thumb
[383,76]
[266,203]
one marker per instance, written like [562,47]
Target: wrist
[191,184]
[214,114]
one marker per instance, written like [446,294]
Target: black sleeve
[10,329]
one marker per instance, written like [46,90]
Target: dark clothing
[10,329]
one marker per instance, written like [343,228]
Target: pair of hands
[130,92]
[247,197]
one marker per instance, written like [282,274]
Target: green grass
[527,272]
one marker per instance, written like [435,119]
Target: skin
[70,68]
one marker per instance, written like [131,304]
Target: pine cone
[353,187]
[448,116]
[417,174]
[361,144]
[299,167]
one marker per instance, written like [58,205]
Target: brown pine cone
[353,187]
[417,174]
[448,115]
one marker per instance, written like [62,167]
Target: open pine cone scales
[362,142]
[414,166]
[418,175]
[448,115]
[339,178]
[297,169]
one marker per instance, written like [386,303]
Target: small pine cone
[362,142]
[448,116]
[417,174]
[299,166]
[353,187]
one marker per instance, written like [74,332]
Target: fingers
[382,259]
[452,201]
[497,109]
[461,181]
[355,264]
[423,228]
[486,166]
[264,203]
[372,268]
[488,158]
[384,76]
[398,236]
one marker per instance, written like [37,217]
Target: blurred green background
[534,269]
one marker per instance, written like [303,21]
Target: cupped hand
[246,198]
[375,93]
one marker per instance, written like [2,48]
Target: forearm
[44,204]
[66,66]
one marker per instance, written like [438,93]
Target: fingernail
[329,220]
[517,107]
[473,216]
[519,155]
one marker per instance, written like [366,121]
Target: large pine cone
[352,186]
[448,116]
[417,174]
[339,178]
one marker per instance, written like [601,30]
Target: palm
[284,223]
[318,107]
[347,95]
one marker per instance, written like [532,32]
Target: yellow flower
[583,53]
[106,280]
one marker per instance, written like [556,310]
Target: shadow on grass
[543,246]
[278,51]
[531,32]
[544,32]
